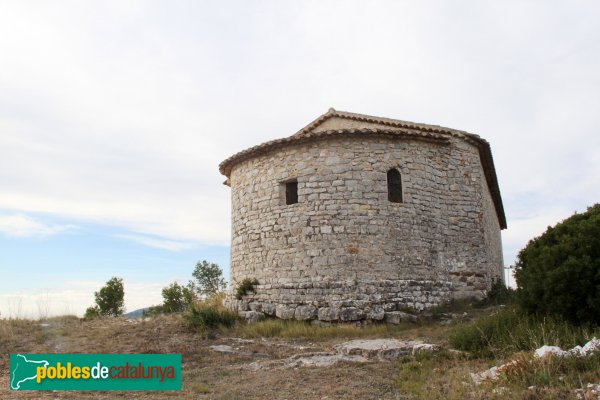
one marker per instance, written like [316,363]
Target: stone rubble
[590,347]
[493,373]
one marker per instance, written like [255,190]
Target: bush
[511,330]
[109,300]
[205,316]
[558,273]
[246,286]
[153,311]
[498,294]
[177,298]
[91,313]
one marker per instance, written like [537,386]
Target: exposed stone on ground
[352,351]
[396,317]
[491,374]
[223,348]
[306,360]
[242,340]
[591,391]
[323,360]
[384,349]
[590,347]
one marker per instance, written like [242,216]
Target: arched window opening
[394,182]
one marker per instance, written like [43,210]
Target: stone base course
[343,301]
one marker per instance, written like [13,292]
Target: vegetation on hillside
[209,279]
[206,317]
[556,304]
[209,283]
[109,300]
[558,273]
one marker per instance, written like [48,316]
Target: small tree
[177,298]
[209,278]
[109,300]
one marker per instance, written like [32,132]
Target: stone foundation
[342,301]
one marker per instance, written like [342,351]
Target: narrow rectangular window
[291,192]
[394,181]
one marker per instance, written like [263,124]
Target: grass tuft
[551,371]
[210,315]
[293,329]
[510,330]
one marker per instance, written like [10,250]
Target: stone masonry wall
[344,252]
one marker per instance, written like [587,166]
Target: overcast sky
[114,116]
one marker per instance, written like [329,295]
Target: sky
[114,116]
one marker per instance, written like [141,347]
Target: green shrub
[245,287]
[177,298]
[558,273]
[511,330]
[153,311]
[498,294]
[206,316]
[91,312]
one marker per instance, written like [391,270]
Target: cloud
[120,114]
[73,297]
[158,243]
[23,226]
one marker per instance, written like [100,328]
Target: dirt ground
[207,374]
[210,374]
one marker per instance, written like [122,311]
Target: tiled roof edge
[398,129]
[392,123]
[225,166]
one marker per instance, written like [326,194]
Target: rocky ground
[402,362]
[219,368]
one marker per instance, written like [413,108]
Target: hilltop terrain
[267,360]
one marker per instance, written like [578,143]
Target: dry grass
[208,374]
[212,375]
[291,329]
[447,376]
